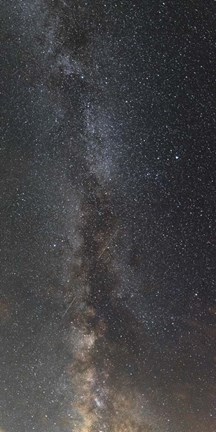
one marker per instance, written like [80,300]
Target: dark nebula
[108,199]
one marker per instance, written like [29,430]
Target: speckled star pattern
[107,210]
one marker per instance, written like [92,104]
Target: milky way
[107,303]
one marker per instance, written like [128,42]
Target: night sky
[107,210]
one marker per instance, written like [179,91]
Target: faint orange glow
[5,311]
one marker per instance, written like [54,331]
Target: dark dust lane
[107,240]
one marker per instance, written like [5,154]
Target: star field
[108,305]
